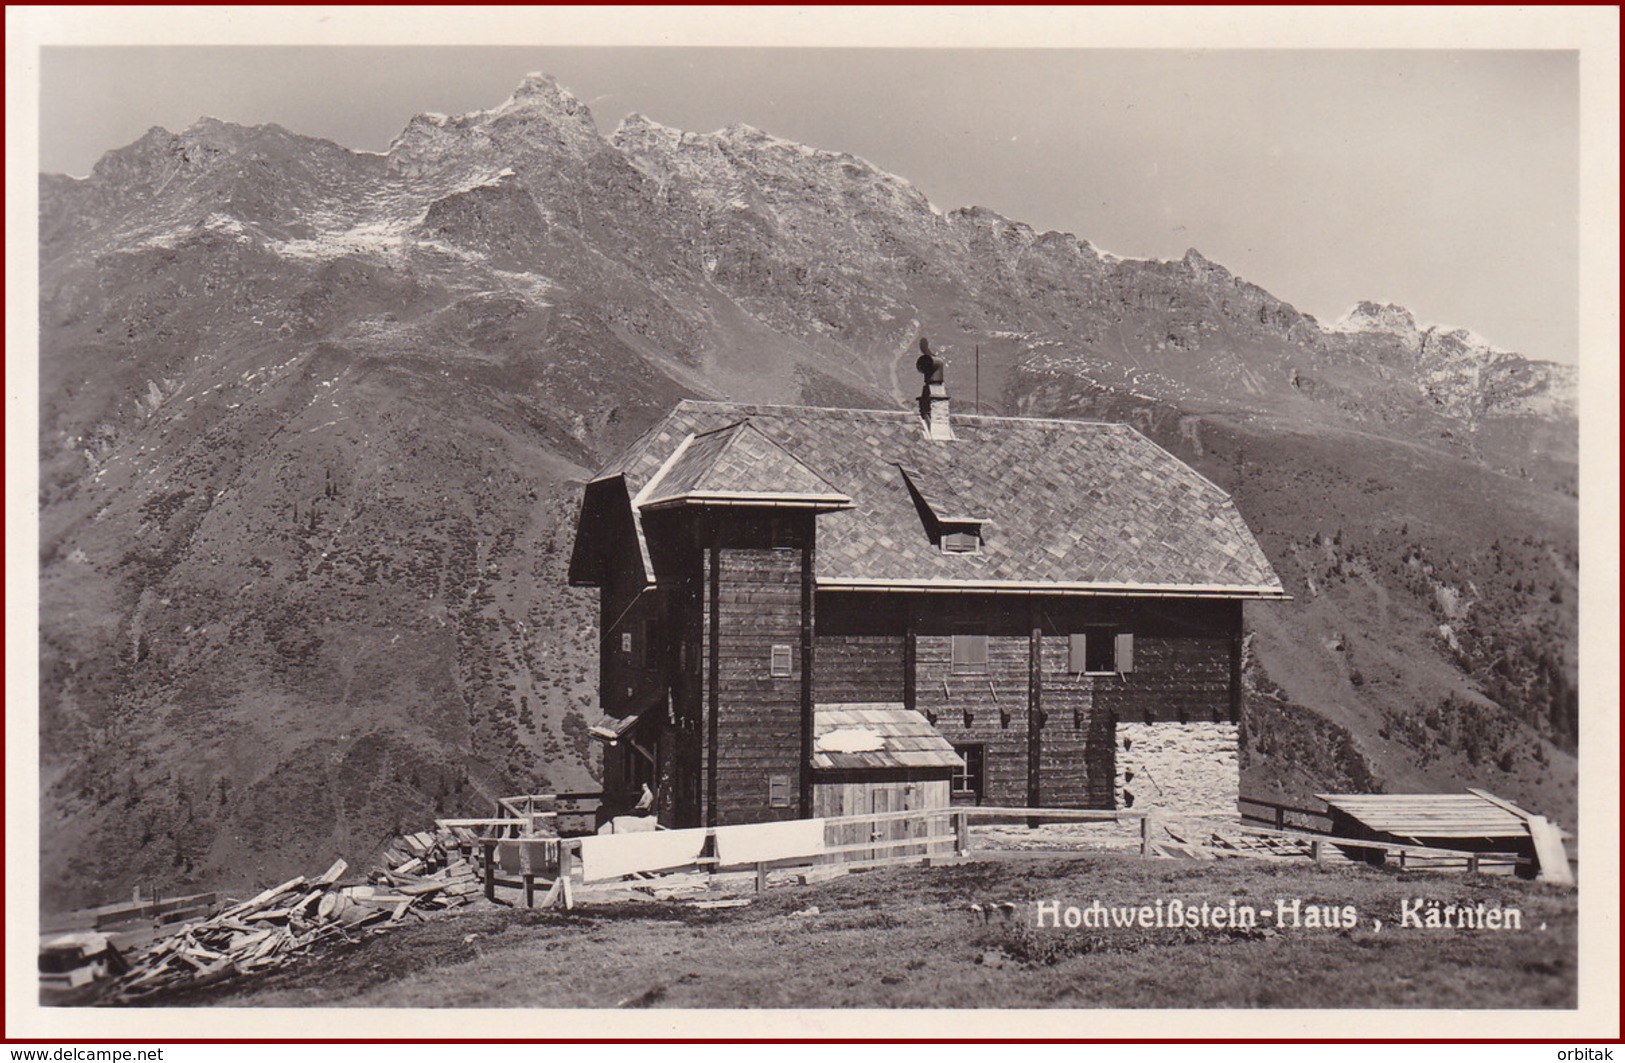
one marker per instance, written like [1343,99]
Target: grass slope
[904,938]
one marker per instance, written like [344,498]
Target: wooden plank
[1501,802]
[879,817]
[1035,712]
[266,896]
[870,846]
[1478,809]
[985,811]
[1550,857]
[1360,843]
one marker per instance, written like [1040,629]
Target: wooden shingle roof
[1465,815]
[1079,506]
[879,735]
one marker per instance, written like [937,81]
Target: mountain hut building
[820,612]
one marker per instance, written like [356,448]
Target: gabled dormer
[953,524]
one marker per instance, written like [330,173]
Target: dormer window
[951,522]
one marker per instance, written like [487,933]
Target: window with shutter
[968,654]
[1125,652]
[1102,652]
[780,663]
[1077,653]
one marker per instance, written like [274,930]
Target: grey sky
[1444,181]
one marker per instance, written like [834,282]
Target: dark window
[782,533]
[961,542]
[780,664]
[968,654]
[967,781]
[1101,652]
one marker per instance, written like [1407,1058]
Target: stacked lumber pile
[423,871]
[274,927]
[262,932]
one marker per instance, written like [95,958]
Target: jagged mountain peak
[538,90]
[1368,316]
[540,83]
[1204,268]
[1395,320]
[537,94]
[638,133]
[209,125]
[539,118]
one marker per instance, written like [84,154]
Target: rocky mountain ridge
[313,420]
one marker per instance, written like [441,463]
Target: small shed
[875,758]
[1470,822]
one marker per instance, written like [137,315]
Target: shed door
[879,802]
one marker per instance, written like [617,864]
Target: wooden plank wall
[860,648]
[996,702]
[846,794]
[1078,765]
[623,604]
[858,668]
[1182,672]
[1180,679]
[759,717]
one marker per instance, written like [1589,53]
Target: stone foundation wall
[1189,768]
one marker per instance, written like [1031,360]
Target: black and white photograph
[952,515]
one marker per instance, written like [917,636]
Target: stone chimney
[934,395]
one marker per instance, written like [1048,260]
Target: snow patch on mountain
[378,237]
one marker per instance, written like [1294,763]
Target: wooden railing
[566,813]
[157,910]
[1281,816]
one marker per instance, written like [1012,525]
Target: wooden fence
[511,855]
[1209,839]
[1284,817]
[152,909]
